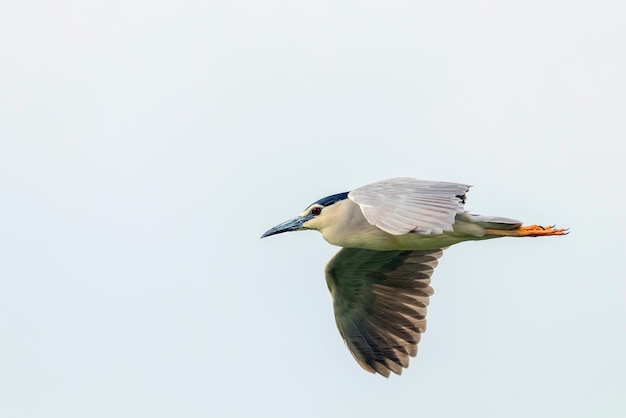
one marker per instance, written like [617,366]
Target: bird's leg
[528,231]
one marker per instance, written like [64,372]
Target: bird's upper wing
[403,205]
[380,300]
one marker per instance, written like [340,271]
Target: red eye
[316,211]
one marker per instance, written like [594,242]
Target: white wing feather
[402,205]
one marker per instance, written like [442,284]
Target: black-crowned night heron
[393,233]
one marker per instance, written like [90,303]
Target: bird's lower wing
[380,300]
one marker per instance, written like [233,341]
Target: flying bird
[392,234]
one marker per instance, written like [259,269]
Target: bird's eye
[316,211]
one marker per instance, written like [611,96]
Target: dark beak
[294,224]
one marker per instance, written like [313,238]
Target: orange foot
[529,231]
[540,231]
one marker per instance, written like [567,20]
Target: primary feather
[380,300]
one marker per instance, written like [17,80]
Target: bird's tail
[492,222]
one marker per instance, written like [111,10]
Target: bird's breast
[378,240]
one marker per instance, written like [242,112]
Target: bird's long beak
[294,224]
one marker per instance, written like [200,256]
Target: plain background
[145,147]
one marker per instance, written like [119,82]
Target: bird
[392,233]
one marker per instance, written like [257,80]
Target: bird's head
[315,216]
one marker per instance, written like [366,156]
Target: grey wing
[492,222]
[403,205]
[380,300]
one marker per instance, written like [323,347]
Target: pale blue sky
[145,147]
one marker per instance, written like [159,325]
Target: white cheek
[313,223]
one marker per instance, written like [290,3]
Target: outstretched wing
[403,205]
[380,300]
